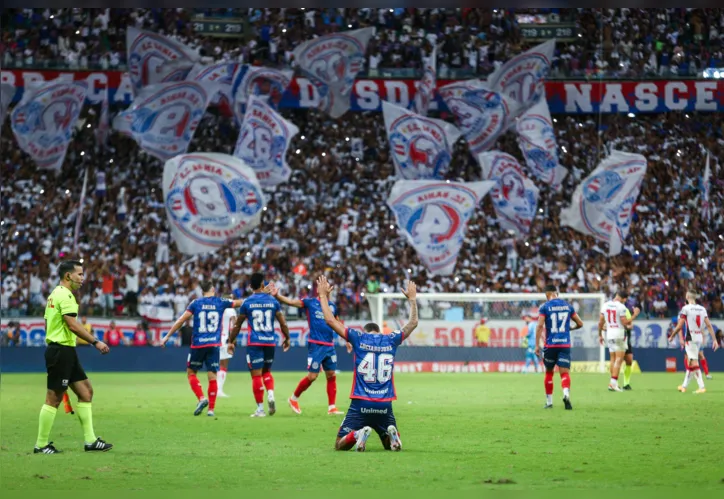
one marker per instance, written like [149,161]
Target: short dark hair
[371,327]
[623,294]
[206,286]
[67,266]
[550,288]
[257,280]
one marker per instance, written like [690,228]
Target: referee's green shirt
[60,302]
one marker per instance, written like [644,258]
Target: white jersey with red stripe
[613,312]
[227,322]
[695,316]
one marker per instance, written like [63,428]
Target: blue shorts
[376,415]
[321,356]
[204,355]
[560,357]
[260,357]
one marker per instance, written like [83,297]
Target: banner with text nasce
[564,97]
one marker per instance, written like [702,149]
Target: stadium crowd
[607,42]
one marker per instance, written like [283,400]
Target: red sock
[332,390]
[565,380]
[347,440]
[549,383]
[704,366]
[268,381]
[196,386]
[304,383]
[257,386]
[213,388]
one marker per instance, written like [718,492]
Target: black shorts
[63,367]
[629,350]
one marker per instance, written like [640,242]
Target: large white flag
[482,114]
[537,141]
[43,121]
[433,217]
[164,117]
[7,92]
[332,62]
[522,78]
[263,141]
[706,187]
[257,81]
[421,147]
[222,76]
[210,198]
[602,205]
[515,196]
[425,88]
[149,55]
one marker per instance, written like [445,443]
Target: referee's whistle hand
[102,348]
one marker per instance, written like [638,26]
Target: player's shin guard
[332,391]
[304,383]
[85,415]
[549,387]
[257,386]
[268,381]
[196,386]
[699,378]
[45,424]
[566,384]
[704,366]
[687,378]
[213,389]
[220,379]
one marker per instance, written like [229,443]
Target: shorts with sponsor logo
[260,357]
[376,415]
[321,357]
[616,344]
[692,349]
[63,367]
[560,357]
[204,355]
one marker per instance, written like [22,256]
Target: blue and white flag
[515,196]
[433,217]
[222,76]
[421,147]
[602,205]
[149,55]
[210,198]
[425,88]
[258,81]
[164,117]
[263,141]
[332,62]
[483,115]
[537,141]
[44,120]
[522,78]
[7,92]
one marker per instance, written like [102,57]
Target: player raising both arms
[227,322]
[695,318]
[554,318]
[207,313]
[322,354]
[613,319]
[373,385]
[261,309]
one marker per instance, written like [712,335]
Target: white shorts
[616,345]
[692,350]
[224,352]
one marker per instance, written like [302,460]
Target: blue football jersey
[374,365]
[208,312]
[260,310]
[558,315]
[319,332]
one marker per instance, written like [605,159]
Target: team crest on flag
[164,117]
[483,115]
[257,81]
[43,121]
[148,52]
[332,62]
[433,217]
[421,147]
[602,205]
[210,198]
[425,88]
[537,141]
[219,75]
[263,141]
[515,196]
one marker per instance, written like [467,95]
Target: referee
[62,364]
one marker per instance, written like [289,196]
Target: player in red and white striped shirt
[696,320]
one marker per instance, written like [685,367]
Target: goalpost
[450,319]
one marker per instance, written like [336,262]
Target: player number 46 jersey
[694,316]
[613,312]
[374,362]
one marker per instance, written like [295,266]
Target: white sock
[270,394]
[294,398]
[614,382]
[566,393]
[332,407]
[220,378]
[687,376]
[260,407]
[549,399]
[699,379]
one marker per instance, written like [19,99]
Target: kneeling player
[373,387]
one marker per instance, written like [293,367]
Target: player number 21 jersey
[694,316]
[374,365]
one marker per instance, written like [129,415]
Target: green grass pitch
[470,432]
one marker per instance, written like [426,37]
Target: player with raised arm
[321,352]
[554,319]
[207,313]
[227,322]
[373,384]
[695,318]
[613,318]
[262,310]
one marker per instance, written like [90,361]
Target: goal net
[483,332]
